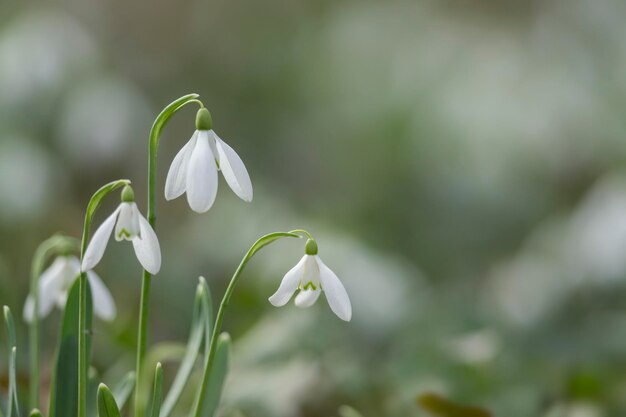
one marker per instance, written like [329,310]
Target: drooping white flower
[55,283]
[129,225]
[312,277]
[194,169]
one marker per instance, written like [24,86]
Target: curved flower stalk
[129,225]
[54,285]
[311,277]
[205,401]
[146,280]
[194,169]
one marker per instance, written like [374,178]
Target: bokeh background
[461,163]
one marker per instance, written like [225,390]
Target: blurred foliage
[460,163]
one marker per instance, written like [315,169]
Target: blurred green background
[461,164]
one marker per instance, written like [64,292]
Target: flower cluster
[69,279]
[194,172]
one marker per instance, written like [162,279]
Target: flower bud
[128,195]
[203,119]
[311,247]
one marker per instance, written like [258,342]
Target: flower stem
[144,303]
[260,243]
[92,207]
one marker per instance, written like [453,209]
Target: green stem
[92,207]
[260,243]
[142,332]
[62,245]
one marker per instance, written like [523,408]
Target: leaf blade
[124,389]
[107,407]
[157,393]
[63,399]
[209,397]
[200,325]
[13,399]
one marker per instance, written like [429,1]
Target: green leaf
[209,398]
[8,319]
[207,303]
[157,393]
[63,393]
[13,384]
[443,407]
[35,413]
[124,388]
[107,407]
[162,352]
[201,321]
[13,399]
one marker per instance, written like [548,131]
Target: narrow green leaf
[209,398]
[107,407]
[63,399]
[13,402]
[35,413]
[207,303]
[157,393]
[200,325]
[13,384]
[162,352]
[124,388]
[8,319]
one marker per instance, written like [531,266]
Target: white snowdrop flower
[311,276]
[55,283]
[130,225]
[194,169]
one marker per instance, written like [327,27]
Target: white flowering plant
[63,275]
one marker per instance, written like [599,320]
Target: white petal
[234,170]
[147,247]
[29,310]
[71,271]
[49,285]
[201,175]
[127,226]
[306,298]
[289,284]
[103,304]
[177,175]
[99,242]
[336,294]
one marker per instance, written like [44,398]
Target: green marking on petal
[124,233]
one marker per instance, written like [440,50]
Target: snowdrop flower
[55,283]
[194,169]
[311,276]
[130,225]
